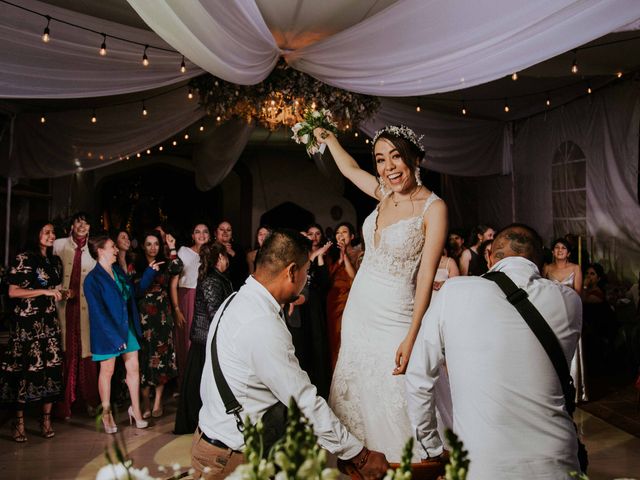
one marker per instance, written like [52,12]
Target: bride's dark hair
[407,150]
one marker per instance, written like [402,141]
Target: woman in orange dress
[342,270]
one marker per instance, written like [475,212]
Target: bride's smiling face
[392,168]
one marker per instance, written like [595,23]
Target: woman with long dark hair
[391,291]
[344,264]
[213,288]
[158,358]
[31,369]
[183,293]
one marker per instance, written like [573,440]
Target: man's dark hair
[283,247]
[80,216]
[519,240]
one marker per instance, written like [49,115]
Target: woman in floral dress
[158,358]
[31,370]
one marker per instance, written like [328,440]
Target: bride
[404,238]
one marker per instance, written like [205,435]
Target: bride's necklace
[410,199]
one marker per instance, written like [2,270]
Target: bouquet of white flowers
[303,131]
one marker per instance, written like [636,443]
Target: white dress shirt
[508,406]
[257,358]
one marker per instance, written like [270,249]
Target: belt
[216,443]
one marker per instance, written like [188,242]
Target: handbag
[543,332]
[274,419]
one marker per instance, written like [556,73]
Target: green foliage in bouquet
[303,131]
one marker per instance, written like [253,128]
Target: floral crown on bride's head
[404,132]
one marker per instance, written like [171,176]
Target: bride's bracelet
[363,461]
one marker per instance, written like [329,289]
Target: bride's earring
[383,187]
[418,179]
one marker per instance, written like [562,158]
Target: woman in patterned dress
[158,358]
[31,370]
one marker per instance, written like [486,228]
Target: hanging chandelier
[281,100]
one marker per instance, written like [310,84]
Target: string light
[589,89]
[218,118]
[548,101]
[506,106]
[190,94]
[186,136]
[103,47]
[201,128]
[183,67]
[45,35]
[418,107]
[145,59]
[160,148]
[174,143]
[138,155]
[148,151]
[464,108]
[514,76]
[574,65]
[619,74]
[94,119]
[43,119]
[366,141]
[355,134]
[144,109]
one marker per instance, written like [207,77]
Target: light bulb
[218,118]
[355,134]
[506,107]
[144,111]
[418,109]
[186,136]
[619,74]
[174,143]
[589,89]
[94,119]
[183,67]
[43,119]
[145,59]
[574,67]
[46,34]
[548,102]
[201,128]
[190,94]
[148,151]
[514,76]
[464,111]
[160,148]
[103,47]
[366,141]
[138,155]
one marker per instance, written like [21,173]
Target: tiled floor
[77,451]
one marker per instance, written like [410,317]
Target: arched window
[569,190]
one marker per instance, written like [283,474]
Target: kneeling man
[508,405]
[258,361]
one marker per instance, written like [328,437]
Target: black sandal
[18,428]
[46,430]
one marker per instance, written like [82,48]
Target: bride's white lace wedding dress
[365,395]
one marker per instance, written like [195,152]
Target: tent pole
[8,223]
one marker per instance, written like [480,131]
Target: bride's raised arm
[347,165]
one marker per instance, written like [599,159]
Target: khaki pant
[220,461]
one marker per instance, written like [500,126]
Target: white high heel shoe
[132,418]
[108,427]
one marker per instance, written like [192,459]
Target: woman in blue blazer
[114,324]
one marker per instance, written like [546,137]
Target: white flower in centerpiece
[297,127]
[316,114]
[305,138]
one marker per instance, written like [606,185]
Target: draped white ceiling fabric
[69,66]
[412,47]
[454,145]
[69,140]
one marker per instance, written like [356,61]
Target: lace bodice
[400,244]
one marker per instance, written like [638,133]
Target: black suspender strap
[231,404]
[519,299]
